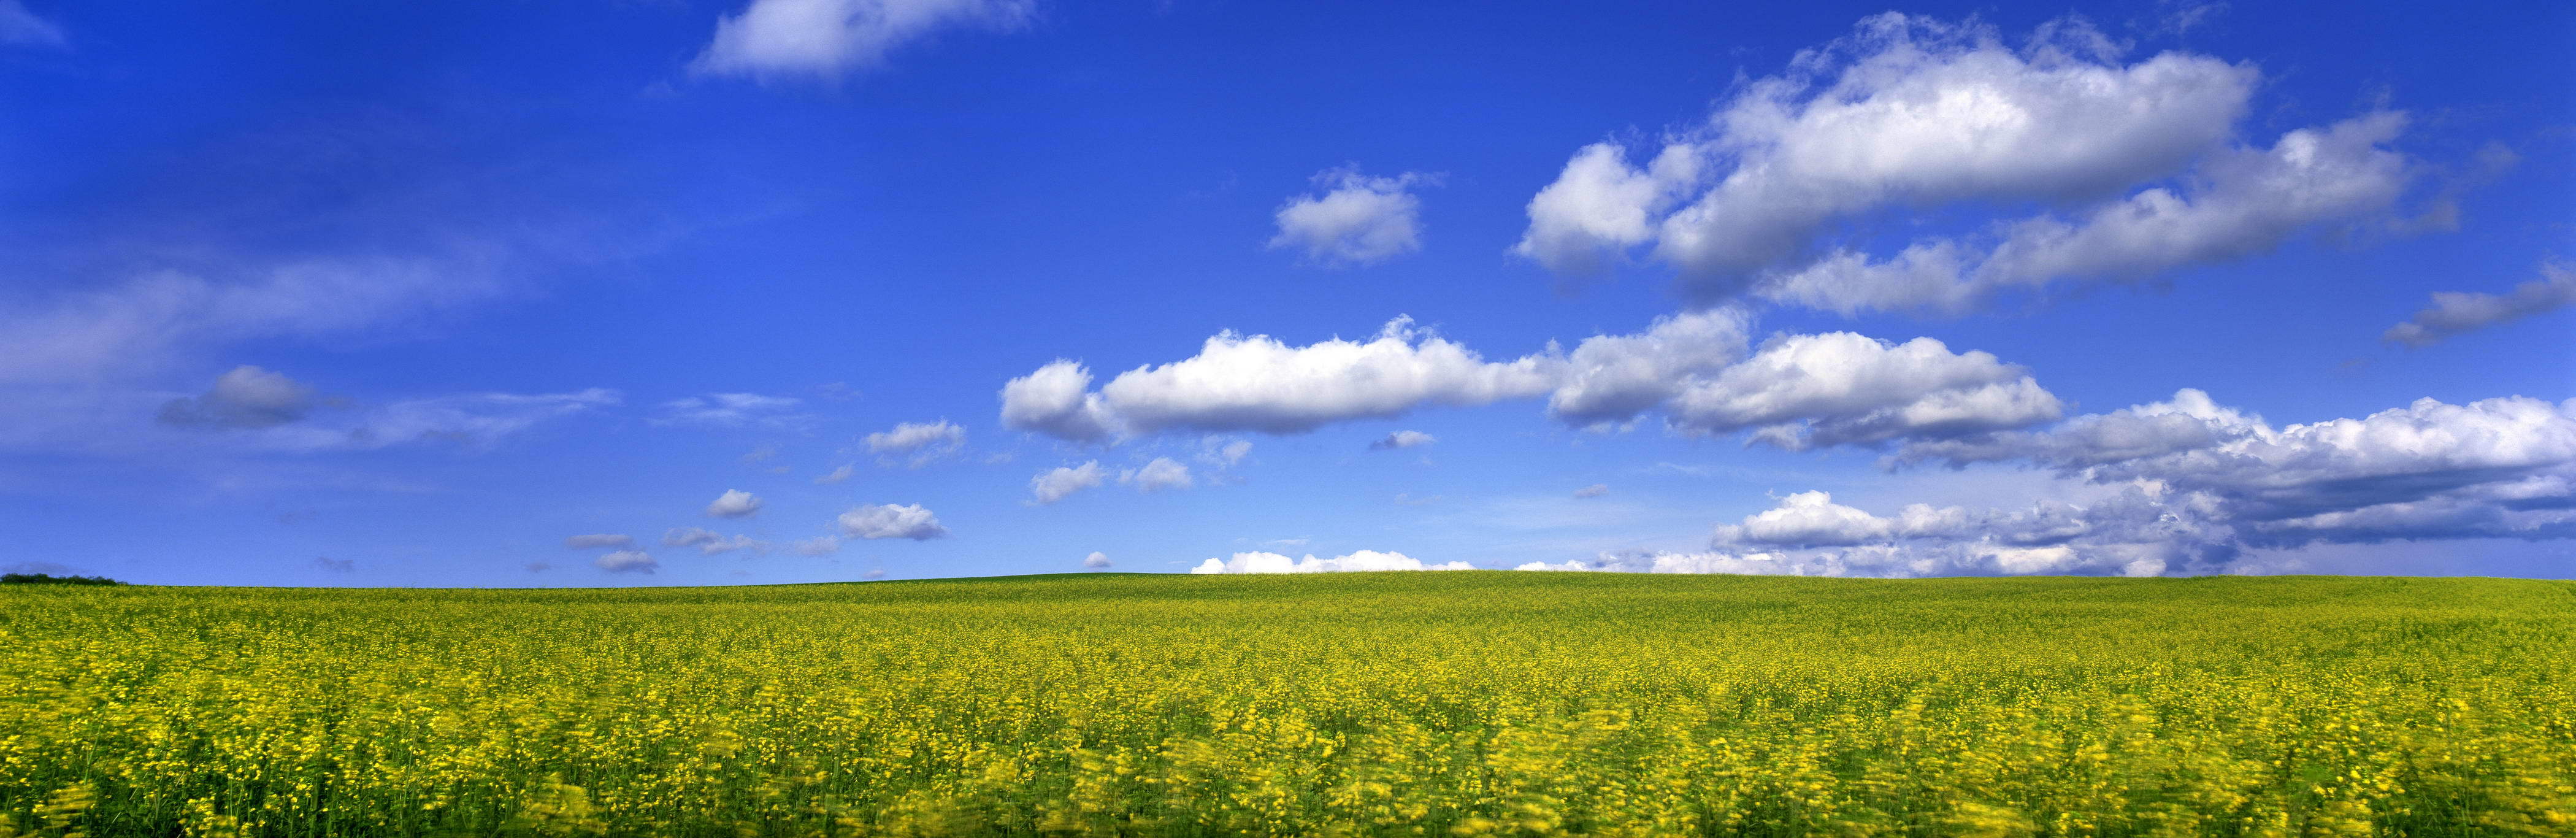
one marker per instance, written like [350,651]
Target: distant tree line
[50,579]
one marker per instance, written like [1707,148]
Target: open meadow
[1390,703]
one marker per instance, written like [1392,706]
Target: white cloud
[1096,560]
[1062,481]
[891,521]
[2493,468]
[710,542]
[1599,207]
[1810,519]
[19,27]
[2457,312]
[734,503]
[1257,383]
[1224,453]
[2188,421]
[2137,529]
[1593,491]
[1911,113]
[736,410]
[1905,111]
[2242,202]
[835,475]
[924,442]
[584,542]
[627,561]
[826,38]
[1356,220]
[821,545]
[1610,379]
[1364,560]
[1840,388]
[1162,473]
[2427,451]
[246,397]
[1402,439]
[1752,564]
[1798,392]
[1052,401]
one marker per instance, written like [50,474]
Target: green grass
[1403,703]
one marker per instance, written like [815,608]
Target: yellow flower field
[1469,703]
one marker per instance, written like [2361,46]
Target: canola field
[1466,703]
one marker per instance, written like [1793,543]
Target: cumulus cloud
[734,503]
[1910,112]
[2133,532]
[1258,383]
[1599,207]
[246,397]
[922,442]
[1609,379]
[2180,486]
[2301,482]
[891,521]
[1162,473]
[1364,560]
[1354,219]
[2242,202]
[835,475]
[821,545]
[1593,491]
[2190,420]
[19,27]
[2140,530]
[1840,388]
[1753,564]
[1055,401]
[627,561]
[2495,468]
[710,542]
[827,38]
[1810,519]
[1402,439]
[585,542]
[1797,392]
[1096,560]
[736,410]
[1061,482]
[2457,312]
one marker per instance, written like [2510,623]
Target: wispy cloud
[828,38]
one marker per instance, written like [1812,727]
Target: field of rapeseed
[1417,704]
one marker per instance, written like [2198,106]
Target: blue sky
[800,290]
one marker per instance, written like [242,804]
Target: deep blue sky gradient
[1099,186]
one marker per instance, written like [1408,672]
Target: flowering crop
[1461,703]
